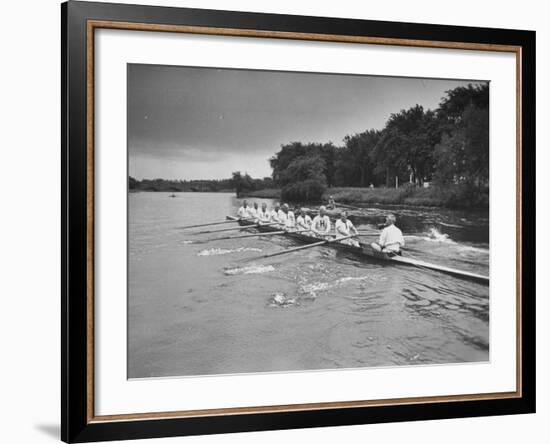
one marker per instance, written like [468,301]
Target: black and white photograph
[297,221]
[291,221]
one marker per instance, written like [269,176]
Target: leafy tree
[289,152]
[463,156]
[355,166]
[242,183]
[406,145]
[304,179]
[262,184]
[327,152]
[452,107]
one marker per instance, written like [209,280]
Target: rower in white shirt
[243,212]
[331,203]
[263,216]
[289,219]
[253,211]
[344,227]
[303,221]
[275,213]
[391,239]
[321,223]
[281,216]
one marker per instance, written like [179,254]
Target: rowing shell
[365,250]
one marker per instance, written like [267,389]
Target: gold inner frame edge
[105,24]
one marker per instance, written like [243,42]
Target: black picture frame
[77,425]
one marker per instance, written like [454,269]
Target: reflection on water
[196,308]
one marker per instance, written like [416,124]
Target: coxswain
[391,238]
[344,228]
[321,223]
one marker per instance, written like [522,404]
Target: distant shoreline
[404,196]
[180,191]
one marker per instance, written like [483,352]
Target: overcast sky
[204,123]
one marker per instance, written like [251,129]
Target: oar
[240,227]
[269,233]
[351,207]
[368,233]
[303,247]
[212,223]
[261,233]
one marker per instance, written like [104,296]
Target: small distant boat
[172,195]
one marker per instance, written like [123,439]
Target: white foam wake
[322,286]
[253,269]
[471,249]
[220,251]
[434,235]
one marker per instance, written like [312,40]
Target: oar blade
[208,224]
[228,220]
[301,247]
[270,233]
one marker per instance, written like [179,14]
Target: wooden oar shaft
[260,233]
[351,207]
[210,223]
[269,233]
[240,227]
[303,247]
[290,250]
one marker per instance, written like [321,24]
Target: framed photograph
[276,221]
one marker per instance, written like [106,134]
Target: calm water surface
[195,309]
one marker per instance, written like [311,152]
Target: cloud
[186,115]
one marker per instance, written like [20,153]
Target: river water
[197,309]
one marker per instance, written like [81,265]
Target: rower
[253,211]
[263,215]
[243,212]
[278,216]
[331,203]
[303,221]
[321,223]
[344,227]
[274,215]
[290,221]
[391,238]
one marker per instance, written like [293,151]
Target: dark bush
[465,195]
[306,191]
[303,180]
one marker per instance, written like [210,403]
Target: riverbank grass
[268,193]
[393,196]
[405,195]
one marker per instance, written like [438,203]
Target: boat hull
[365,251]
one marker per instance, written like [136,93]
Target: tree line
[237,182]
[448,146]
